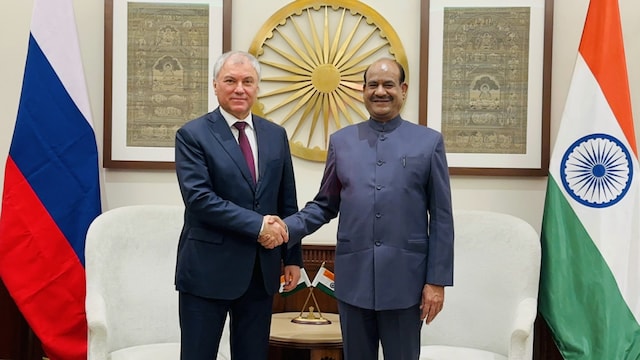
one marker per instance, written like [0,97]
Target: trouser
[364,329]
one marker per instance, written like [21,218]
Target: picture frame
[485,83]
[158,58]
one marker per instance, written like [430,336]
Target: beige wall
[523,197]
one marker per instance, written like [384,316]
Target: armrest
[96,311]
[523,328]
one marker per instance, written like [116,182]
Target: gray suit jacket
[224,208]
[390,184]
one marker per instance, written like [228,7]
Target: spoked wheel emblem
[596,170]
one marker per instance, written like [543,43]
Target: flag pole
[305,302]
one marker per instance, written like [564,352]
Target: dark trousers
[364,329]
[202,321]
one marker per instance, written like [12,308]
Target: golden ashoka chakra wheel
[313,55]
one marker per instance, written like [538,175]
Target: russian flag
[51,186]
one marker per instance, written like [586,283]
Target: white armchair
[131,304]
[489,312]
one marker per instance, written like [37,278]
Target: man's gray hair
[235,55]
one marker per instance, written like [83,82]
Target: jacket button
[378,243]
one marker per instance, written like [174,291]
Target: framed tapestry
[158,73]
[485,83]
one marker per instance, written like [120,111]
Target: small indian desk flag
[303,283]
[324,281]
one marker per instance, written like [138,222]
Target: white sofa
[131,304]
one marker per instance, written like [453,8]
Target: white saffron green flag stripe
[590,274]
[303,283]
[324,281]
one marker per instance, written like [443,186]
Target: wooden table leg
[326,354]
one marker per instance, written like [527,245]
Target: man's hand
[274,232]
[291,276]
[432,302]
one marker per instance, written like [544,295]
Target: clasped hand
[274,232]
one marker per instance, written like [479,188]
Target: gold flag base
[311,318]
[318,321]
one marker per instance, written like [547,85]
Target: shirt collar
[230,119]
[385,126]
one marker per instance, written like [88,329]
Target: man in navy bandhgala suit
[388,179]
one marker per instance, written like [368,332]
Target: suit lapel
[262,139]
[220,130]
[263,145]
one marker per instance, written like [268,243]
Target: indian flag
[590,276]
[303,283]
[324,281]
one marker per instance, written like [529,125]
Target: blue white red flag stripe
[51,189]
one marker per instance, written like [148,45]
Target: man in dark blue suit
[229,256]
[388,178]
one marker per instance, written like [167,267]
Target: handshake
[274,232]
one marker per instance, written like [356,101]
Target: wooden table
[289,340]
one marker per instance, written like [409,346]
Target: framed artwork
[158,58]
[485,83]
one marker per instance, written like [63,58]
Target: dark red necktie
[245,147]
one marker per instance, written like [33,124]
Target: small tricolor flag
[590,275]
[324,281]
[303,283]
[51,186]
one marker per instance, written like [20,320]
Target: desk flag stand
[311,317]
[323,277]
